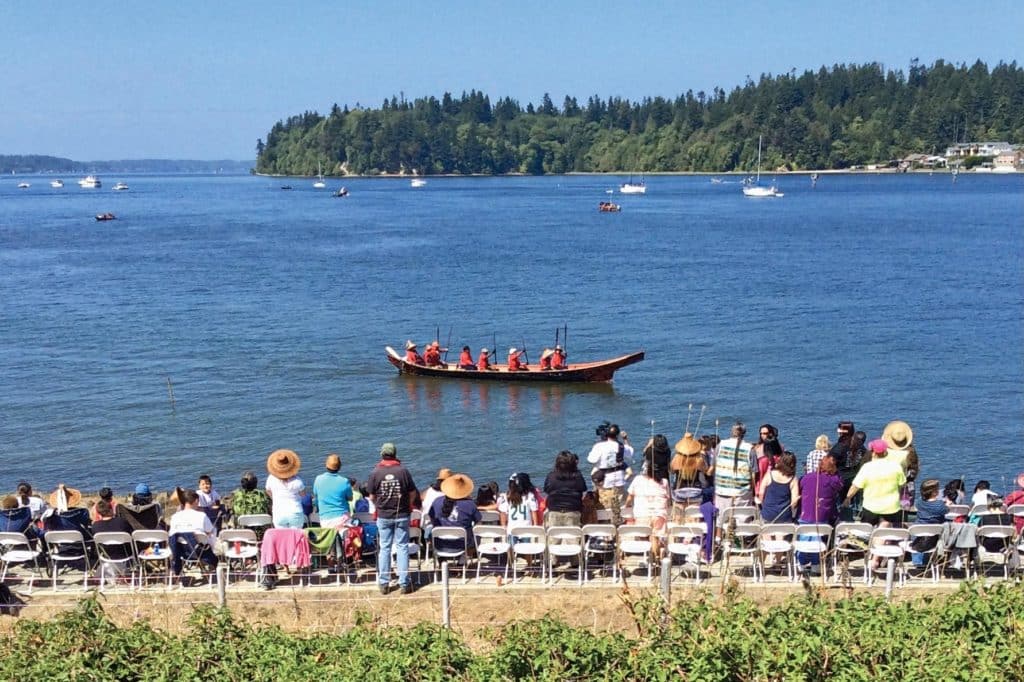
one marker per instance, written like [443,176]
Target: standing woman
[285,489]
[657,449]
[691,477]
[779,492]
[881,480]
[518,506]
[649,498]
[565,486]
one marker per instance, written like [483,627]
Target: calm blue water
[869,298]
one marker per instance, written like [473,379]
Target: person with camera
[611,458]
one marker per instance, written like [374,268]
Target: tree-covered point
[833,118]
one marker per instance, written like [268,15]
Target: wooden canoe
[602,370]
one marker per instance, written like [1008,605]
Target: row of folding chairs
[600,546]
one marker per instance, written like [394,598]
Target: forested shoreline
[832,118]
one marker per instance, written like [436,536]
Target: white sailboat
[631,187]
[755,190]
[319,184]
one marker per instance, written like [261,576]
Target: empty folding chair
[67,547]
[740,541]
[192,551]
[599,548]
[489,517]
[811,544]
[115,553]
[635,541]
[241,549]
[850,544]
[257,522]
[565,542]
[414,550]
[742,514]
[15,548]
[995,546]
[492,544]
[686,540]
[153,549]
[955,511]
[884,546]
[776,544]
[530,543]
[449,544]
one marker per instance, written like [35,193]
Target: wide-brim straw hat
[283,463]
[687,446]
[444,474]
[548,352]
[898,435]
[409,345]
[72,496]
[457,486]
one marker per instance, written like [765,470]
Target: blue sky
[204,80]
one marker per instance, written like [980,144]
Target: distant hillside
[832,117]
[34,163]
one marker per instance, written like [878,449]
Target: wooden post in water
[170,391]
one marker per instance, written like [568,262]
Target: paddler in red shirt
[432,355]
[545,359]
[466,360]
[411,355]
[514,364]
[484,361]
[558,358]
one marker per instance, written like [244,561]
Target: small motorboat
[56,184]
[23,185]
[608,207]
[120,187]
[90,182]
[105,216]
[286,187]
[342,192]
[418,182]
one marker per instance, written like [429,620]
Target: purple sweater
[818,495]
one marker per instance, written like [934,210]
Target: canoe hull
[583,372]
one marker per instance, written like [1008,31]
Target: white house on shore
[965,149]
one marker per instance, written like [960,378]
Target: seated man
[514,363]
[466,360]
[484,361]
[558,358]
[545,359]
[411,355]
[432,355]
[184,525]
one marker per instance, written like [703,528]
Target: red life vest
[466,359]
[558,360]
[432,356]
[412,356]
[483,363]
[545,362]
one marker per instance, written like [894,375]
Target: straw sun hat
[685,447]
[72,496]
[457,486]
[897,435]
[283,463]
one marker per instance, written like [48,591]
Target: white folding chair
[192,554]
[15,548]
[257,522]
[603,515]
[775,539]
[812,538]
[115,553]
[241,547]
[531,543]
[492,543]
[887,545]
[1001,537]
[565,542]
[740,541]
[954,511]
[453,548]
[153,548]
[742,514]
[850,544]
[635,541]
[67,547]
[926,534]
[489,517]
[599,546]
[686,540]
[413,549]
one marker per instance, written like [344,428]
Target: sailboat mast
[759,158]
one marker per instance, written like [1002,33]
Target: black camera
[602,429]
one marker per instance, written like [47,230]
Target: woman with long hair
[649,498]
[565,486]
[518,506]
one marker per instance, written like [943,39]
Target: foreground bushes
[976,634]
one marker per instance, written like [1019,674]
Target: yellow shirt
[880,479]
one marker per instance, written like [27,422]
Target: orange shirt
[466,359]
[432,356]
[545,362]
[558,360]
[514,365]
[484,362]
[412,356]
